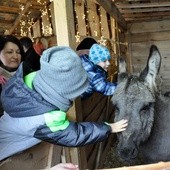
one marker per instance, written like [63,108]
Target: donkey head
[134,100]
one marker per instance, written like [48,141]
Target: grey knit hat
[61,75]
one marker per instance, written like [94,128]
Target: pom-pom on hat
[61,75]
[99,53]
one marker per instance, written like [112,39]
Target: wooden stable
[127,28]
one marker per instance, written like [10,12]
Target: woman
[11,55]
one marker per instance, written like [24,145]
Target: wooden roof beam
[144,5]
[9,9]
[112,10]
[17,21]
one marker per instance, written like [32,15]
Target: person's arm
[62,132]
[101,85]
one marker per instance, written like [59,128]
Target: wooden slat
[9,9]
[106,147]
[135,16]
[91,102]
[152,26]
[65,27]
[46,25]
[93,19]
[17,21]
[143,5]
[33,158]
[52,18]
[144,10]
[7,17]
[93,156]
[130,1]
[99,110]
[36,29]
[104,23]
[156,166]
[16,2]
[155,36]
[112,10]
[80,14]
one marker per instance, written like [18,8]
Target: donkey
[148,113]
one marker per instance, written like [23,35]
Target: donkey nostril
[128,153]
[133,153]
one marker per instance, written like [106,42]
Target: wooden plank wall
[34,158]
[91,20]
[97,108]
[140,37]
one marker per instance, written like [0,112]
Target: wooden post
[65,31]
[64,22]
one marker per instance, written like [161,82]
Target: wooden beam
[64,22]
[155,166]
[112,10]
[9,9]
[16,23]
[149,10]
[6,17]
[81,23]
[143,5]
[140,15]
[14,10]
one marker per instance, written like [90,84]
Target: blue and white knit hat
[98,53]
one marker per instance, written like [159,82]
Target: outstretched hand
[119,126]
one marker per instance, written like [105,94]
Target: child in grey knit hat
[36,103]
[96,64]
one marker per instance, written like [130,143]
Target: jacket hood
[20,101]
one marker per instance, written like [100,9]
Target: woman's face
[10,56]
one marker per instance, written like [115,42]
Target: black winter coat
[32,59]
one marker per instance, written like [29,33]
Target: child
[96,65]
[36,103]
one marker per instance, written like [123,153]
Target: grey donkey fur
[148,113]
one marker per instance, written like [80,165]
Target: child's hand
[119,126]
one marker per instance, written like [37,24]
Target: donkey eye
[146,107]
[116,109]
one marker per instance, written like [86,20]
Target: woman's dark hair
[10,38]
[86,43]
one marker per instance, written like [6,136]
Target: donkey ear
[122,70]
[152,68]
